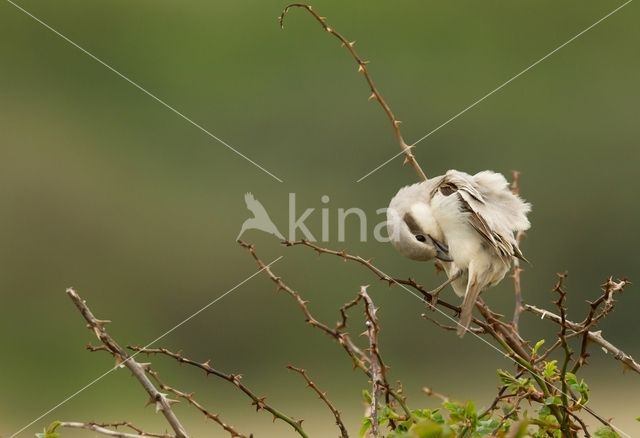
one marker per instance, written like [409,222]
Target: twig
[188,397]
[162,403]
[517,269]
[594,336]
[607,301]
[138,430]
[378,379]
[431,393]
[101,429]
[451,328]
[236,379]
[359,359]
[428,297]
[562,337]
[375,93]
[323,396]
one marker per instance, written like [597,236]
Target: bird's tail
[466,312]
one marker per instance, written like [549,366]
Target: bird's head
[412,229]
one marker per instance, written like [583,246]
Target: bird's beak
[442,250]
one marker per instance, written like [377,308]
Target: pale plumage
[467,221]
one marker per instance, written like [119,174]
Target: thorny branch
[562,337]
[323,396]
[378,368]
[362,68]
[359,358]
[507,334]
[189,398]
[513,393]
[161,401]
[260,403]
[592,336]
[104,429]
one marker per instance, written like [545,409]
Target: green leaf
[426,429]
[536,347]
[366,425]
[550,369]
[579,387]
[487,427]
[553,400]
[50,432]
[366,396]
[606,432]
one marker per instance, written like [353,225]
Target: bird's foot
[433,301]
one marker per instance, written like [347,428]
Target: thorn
[373,96]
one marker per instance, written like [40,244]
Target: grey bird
[260,220]
[466,221]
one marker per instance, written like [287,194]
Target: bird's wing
[255,206]
[484,211]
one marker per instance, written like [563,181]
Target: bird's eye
[420,238]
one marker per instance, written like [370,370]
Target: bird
[468,222]
[260,220]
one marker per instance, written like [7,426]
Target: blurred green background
[104,189]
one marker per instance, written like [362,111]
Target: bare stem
[517,268]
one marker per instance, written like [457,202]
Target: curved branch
[375,93]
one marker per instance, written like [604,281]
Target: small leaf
[487,427]
[50,432]
[606,432]
[553,400]
[366,425]
[536,347]
[550,369]
[426,429]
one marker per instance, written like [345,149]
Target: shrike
[466,221]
